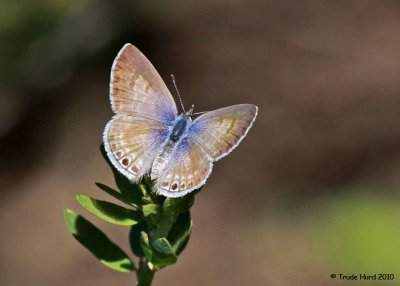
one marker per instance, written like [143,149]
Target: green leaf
[147,200]
[115,194]
[135,238]
[145,244]
[152,213]
[163,253]
[151,209]
[178,205]
[133,193]
[180,232]
[109,212]
[97,243]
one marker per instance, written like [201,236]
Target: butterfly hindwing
[132,143]
[188,169]
[218,132]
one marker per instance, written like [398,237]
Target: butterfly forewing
[144,110]
[218,132]
[137,89]
[188,169]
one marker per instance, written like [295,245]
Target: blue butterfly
[146,134]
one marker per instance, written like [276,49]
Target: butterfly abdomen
[162,160]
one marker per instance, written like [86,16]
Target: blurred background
[312,190]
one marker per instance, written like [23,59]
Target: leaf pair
[162,251]
[159,253]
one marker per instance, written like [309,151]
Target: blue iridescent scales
[147,136]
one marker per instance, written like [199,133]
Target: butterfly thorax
[180,126]
[178,131]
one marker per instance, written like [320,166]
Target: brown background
[312,190]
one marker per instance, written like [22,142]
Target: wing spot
[174,186]
[190,184]
[164,184]
[134,169]
[183,185]
[125,162]
[118,154]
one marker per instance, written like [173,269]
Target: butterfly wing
[137,89]
[210,137]
[220,131]
[132,143]
[144,110]
[188,170]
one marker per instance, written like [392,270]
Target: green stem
[144,274]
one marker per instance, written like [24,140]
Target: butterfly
[148,136]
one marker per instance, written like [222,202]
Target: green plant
[159,227]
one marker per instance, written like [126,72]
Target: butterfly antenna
[177,91]
[197,113]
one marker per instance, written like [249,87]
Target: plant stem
[144,274]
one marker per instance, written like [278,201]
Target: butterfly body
[147,136]
[169,148]
[180,127]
